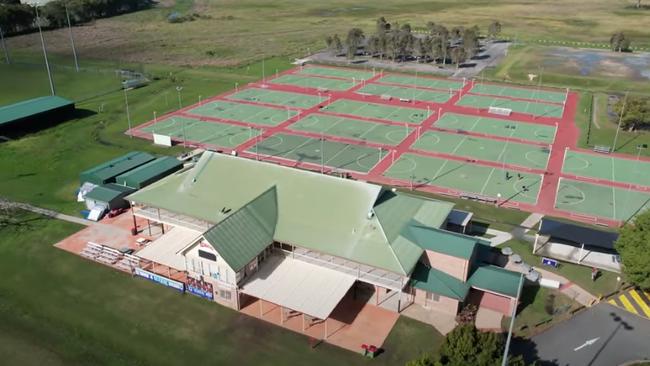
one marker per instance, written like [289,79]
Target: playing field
[337,72]
[604,201]
[211,133]
[243,112]
[353,128]
[534,108]
[313,82]
[523,93]
[406,93]
[378,111]
[316,151]
[607,167]
[466,177]
[497,127]
[530,156]
[277,97]
[423,82]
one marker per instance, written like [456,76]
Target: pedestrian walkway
[45,212]
[635,301]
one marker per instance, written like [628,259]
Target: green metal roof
[340,217]
[26,108]
[446,242]
[108,192]
[106,172]
[495,279]
[244,234]
[438,282]
[149,172]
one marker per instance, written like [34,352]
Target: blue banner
[200,288]
[160,279]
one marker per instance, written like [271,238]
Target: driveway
[600,336]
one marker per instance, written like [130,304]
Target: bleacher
[602,149]
[109,256]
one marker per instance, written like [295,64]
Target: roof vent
[194,180]
[371,214]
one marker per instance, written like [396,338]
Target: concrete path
[45,212]
[500,237]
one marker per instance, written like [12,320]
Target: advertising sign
[160,279]
[200,288]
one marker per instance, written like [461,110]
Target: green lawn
[580,275]
[533,310]
[59,309]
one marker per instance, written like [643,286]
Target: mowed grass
[232,32]
[60,309]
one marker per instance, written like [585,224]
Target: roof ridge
[437,272]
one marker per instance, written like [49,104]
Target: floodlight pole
[74,51]
[180,101]
[504,362]
[128,115]
[47,64]
[620,119]
[322,154]
[4,46]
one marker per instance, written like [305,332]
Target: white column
[582,249]
[535,244]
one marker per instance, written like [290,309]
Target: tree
[458,55]
[636,113]
[353,41]
[470,42]
[337,44]
[632,245]
[619,42]
[466,345]
[494,29]
[373,46]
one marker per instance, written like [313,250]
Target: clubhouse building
[247,232]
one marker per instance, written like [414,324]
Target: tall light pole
[4,46]
[512,321]
[47,64]
[74,51]
[180,101]
[620,119]
[128,115]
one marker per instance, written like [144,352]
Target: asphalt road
[603,335]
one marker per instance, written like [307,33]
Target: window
[224,294]
[207,255]
[433,297]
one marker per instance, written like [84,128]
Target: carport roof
[578,234]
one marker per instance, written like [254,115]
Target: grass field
[465,177]
[406,93]
[370,110]
[533,309]
[529,156]
[607,167]
[534,108]
[497,127]
[352,128]
[261,115]
[604,201]
[87,314]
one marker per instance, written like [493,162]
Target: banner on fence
[200,288]
[160,279]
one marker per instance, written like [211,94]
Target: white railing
[173,219]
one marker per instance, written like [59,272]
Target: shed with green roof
[42,110]
[108,171]
[109,195]
[150,172]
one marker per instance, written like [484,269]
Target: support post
[535,244]
[326,328]
[582,250]
[303,322]
[281,315]
[261,311]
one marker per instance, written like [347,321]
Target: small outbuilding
[150,172]
[109,196]
[108,171]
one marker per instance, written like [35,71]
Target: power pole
[4,47]
[74,51]
[47,64]
[512,322]
[620,119]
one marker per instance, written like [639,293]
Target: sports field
[378,111]
[193,130]
[337,72]
[243,112]
[534,108]
[523,93]
[497,127]
[466,177]
[353,128]
[276,97]
[422,81]
[331,154]
[607,167]
[313,82]
[604,201]
[406,93]
[530,156]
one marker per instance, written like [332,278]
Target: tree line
[18,18]
[399,43]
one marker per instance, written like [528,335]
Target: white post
[47,64]
[535,244]
[512,322]
[128,115]
[322,154]
[582,249]
[74,51]
[620,119]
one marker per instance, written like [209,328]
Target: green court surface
[286,99]
[313,82]
[337,72]
[497,127]
[607,167]
[523,93]
[534,108]
[353,128]
[466,177]
[192,130]
[329,153]
[244,112]
[599,200]
[423,82]
[406,93]
[530,156]
[379,111]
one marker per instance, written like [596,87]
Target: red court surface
[254,139]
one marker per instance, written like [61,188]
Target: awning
[299,286]
[166,249]
[578,234]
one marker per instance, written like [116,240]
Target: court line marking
[487,181]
